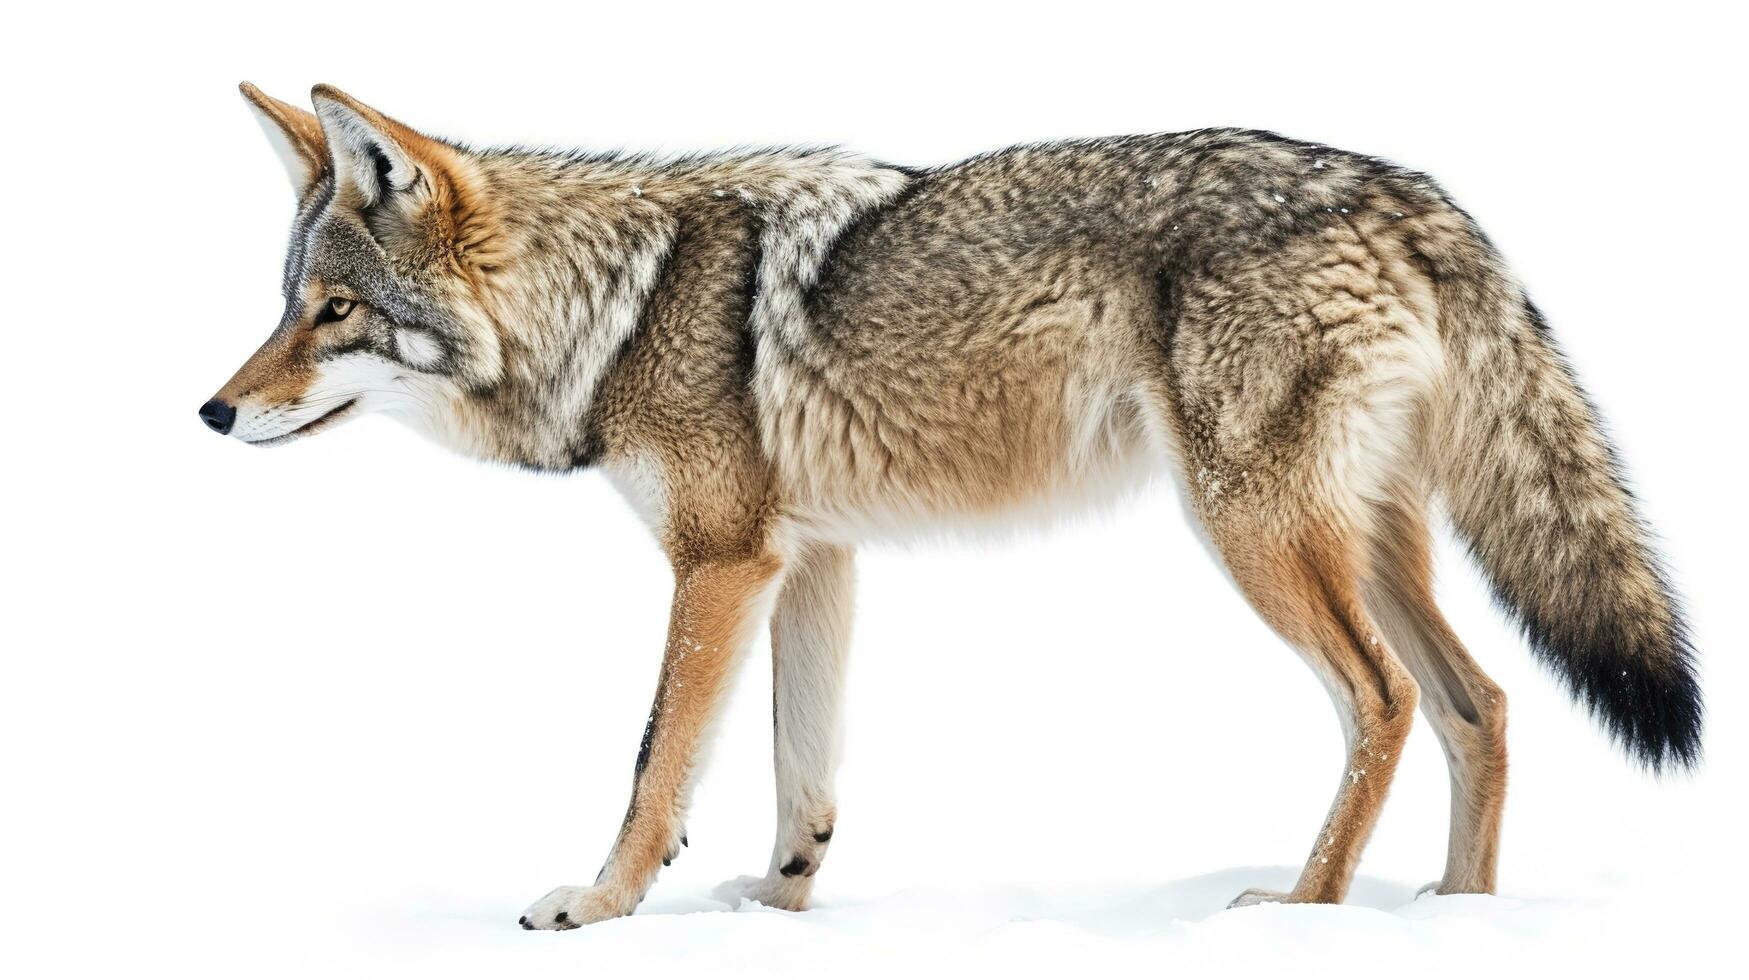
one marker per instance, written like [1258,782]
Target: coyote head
[382,309]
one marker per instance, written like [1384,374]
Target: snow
[1039,930]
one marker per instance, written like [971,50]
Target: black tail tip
[1650,704]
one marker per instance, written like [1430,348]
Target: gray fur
[779,354]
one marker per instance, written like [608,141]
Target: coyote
[777,354]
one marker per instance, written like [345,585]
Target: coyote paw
[570,906]
[1259,896]
[772,891]
[1440,887]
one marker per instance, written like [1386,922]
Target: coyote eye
[337,309]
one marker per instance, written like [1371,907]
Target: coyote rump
[775,355]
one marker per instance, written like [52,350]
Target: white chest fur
[641,481]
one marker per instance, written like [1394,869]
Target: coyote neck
[579,259]
[586,243]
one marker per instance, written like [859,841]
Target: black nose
[218,416]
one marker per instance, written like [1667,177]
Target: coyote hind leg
[1304,584]
[1466,708]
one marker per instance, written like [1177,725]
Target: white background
[344,709]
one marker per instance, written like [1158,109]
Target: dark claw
[795,867]
[683,840]
[562,917]
[823,836]
[525,923]
[667,861]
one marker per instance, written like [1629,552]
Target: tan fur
[278,374]
[1466,708]
[1304,587]
[776,355]
[716,609]
[300,130]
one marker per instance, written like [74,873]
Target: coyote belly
[779,355]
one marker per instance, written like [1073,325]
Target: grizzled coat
[776,355]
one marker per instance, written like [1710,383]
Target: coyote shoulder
[776,355]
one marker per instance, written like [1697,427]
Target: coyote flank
[777,354]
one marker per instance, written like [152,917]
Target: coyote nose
[218,416]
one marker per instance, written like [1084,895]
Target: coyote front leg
[717,605]
[810,634]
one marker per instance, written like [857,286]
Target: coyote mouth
[310,427]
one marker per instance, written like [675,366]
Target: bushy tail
[1535,489]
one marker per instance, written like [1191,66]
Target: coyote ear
[372,154]
[296,136]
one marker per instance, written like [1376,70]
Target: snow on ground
[1178,928]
